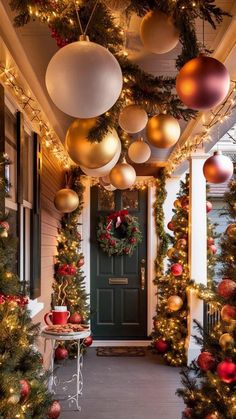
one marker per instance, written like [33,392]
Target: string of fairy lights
[25,99]
[216,117]
[140,184]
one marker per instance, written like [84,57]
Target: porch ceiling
[39,47]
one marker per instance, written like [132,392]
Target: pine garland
[154,94]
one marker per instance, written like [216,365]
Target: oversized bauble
[139,152]
[54,411]
[209,206]
[163,131]
[226,370]
[181,243]
[231,231]
[203,83]
[25,388]
[171,226]
[161,346]
[210,241]
[123,175]
[174,303]
[218,168]
[75,318]
[206,361]
[226,341]
[158,32]
[61,353]
[228,313]
[104,170]
[66,200]
[133,118]
[212,416]
[83,152]
[227,288]
[212,249]
[88,341]
[84,79]
[176,269]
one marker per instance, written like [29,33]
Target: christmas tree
[69,285]
[170,322]
[210,382]
[23,392]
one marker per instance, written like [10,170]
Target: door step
[98,343]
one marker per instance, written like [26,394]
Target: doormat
[121,351]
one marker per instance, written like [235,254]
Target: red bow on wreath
[119,216]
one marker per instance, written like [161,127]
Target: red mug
[56,317]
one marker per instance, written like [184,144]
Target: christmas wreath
[119,233]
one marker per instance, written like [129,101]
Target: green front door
[118,289]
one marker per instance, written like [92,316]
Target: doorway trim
[151,255]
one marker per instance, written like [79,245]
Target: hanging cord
[84,32]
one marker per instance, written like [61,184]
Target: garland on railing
[155,94]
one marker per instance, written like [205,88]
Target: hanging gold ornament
[231,231]
[163,131]
[87,154]
[174,303]
[123,175]
[226,340]
[133,119]
[139,151]
[66,200]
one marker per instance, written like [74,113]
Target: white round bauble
[84,79]
[104,170]
[139,151]
[158,32]
[133,118]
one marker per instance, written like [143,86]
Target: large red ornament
[203,83]
[206,361]
[212,249]
[55,410]
[61,353]
[88,341]
[218,168]
[75,318]
[25,389]
[227,288]
[228,313]
[209,206]
[161,346]
[170,226]
[226,370]
[176,269]
[66,270]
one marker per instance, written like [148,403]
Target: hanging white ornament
[84,79]
[133,119]
[139,151]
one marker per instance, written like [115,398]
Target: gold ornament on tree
[66,200]
[174,303]
[83,152]
[163,131]
[231,231]
[123,175]
[133,119]
[226,341]
[139,151]
[158,32]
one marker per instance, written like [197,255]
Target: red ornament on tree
[218,168]
[187,413]
[88,341]
[228,313]
[176,269]
[212,249]
[206,361]
[226,370]
[209,206]
[66,270]
[210,241]
[25,389]
[227,288]
[212,416]
[75,318]
[185,203]
[170,226]
[161,346]
[55,410]
[61,353]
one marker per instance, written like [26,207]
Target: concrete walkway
[127,388]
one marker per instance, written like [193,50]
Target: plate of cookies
[65,329]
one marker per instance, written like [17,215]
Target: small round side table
[53,379]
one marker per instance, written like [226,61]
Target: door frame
[151,253]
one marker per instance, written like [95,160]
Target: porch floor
[126,388]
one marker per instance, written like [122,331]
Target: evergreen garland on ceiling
[154,94]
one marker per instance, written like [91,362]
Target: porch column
[197,247]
